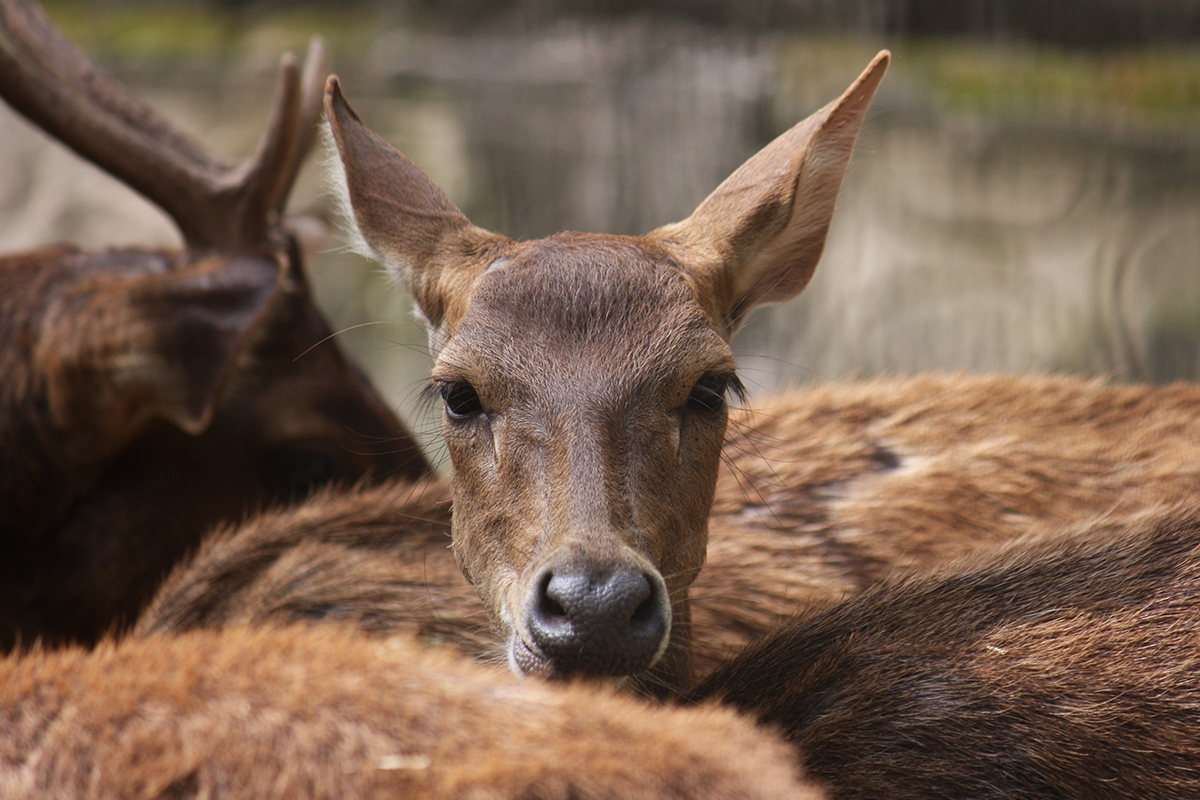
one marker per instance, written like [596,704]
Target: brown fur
[145,396]
[1059,666]
[824,493]
[322,714]
[377,557]
[828,490]
[585,378]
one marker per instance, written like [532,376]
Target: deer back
[377,557]
[844,484]
[323,714]
[1057,666]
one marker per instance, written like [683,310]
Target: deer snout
[611,621]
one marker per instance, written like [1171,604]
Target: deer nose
[611,622]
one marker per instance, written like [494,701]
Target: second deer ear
[403,220]
[117,353]
[757,238]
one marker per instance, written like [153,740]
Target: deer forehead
[584,309]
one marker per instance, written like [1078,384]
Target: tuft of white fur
[393,268]
[335,179]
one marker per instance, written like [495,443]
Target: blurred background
[1025,195]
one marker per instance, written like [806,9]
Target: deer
[585,381]
[1059,664]
[585,370]
[1054,663]
[373,557]
[320,713]
[823,494]
[146,395]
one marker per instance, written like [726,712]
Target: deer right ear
[757,238]
[403,220]
[119,351]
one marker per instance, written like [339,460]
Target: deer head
[586,377]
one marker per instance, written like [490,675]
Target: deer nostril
[646,613]
[548,606]
[551,609]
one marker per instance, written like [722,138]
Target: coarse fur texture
[828,490]
[376,557]
[1065,665]
[823,493]
[324,713]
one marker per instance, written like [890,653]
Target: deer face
[585,379]
[584,412]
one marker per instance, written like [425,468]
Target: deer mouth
[524,660]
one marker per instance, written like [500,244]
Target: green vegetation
[1157,86]
[1152,85]
[176,33]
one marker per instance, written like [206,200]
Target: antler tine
[312,91]
[248,196]
[214,206]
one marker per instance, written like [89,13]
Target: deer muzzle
[592,620]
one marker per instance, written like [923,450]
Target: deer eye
[461,400]
[709,394]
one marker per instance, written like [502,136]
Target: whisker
[784,362]
[347,330]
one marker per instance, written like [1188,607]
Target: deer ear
[757,238]
[402,219]
[157,346]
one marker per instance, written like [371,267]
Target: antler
[215,206]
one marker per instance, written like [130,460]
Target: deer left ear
[757,238]
[403,219]
[161,346]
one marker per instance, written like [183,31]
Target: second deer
[325,714]
[148,394]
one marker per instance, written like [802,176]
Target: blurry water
[969,246]
[961,242]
